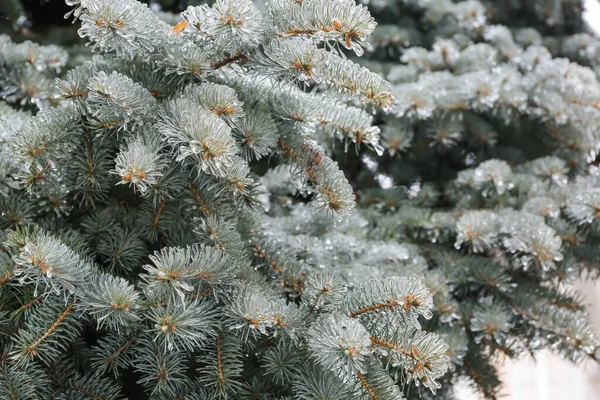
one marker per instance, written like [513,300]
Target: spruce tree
[286,200]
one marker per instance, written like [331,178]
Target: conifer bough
[166,203]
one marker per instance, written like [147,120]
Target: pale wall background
[550,377]
[553,378]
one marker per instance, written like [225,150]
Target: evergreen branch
[347,23]
[222,365]
[183,326]
[199,294]
[398,293]
[114,352]
[46,338]
[339,344]
[228,60]
[264,297]
[334,194]
[219,362]
[201,202]
[32,348]
[159,211]
[111,301]
[162,373]
[27,305]
[365,384]
[92,387]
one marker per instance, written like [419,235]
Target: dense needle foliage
[288,200]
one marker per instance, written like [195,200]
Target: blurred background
[552,378]
[549,377]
